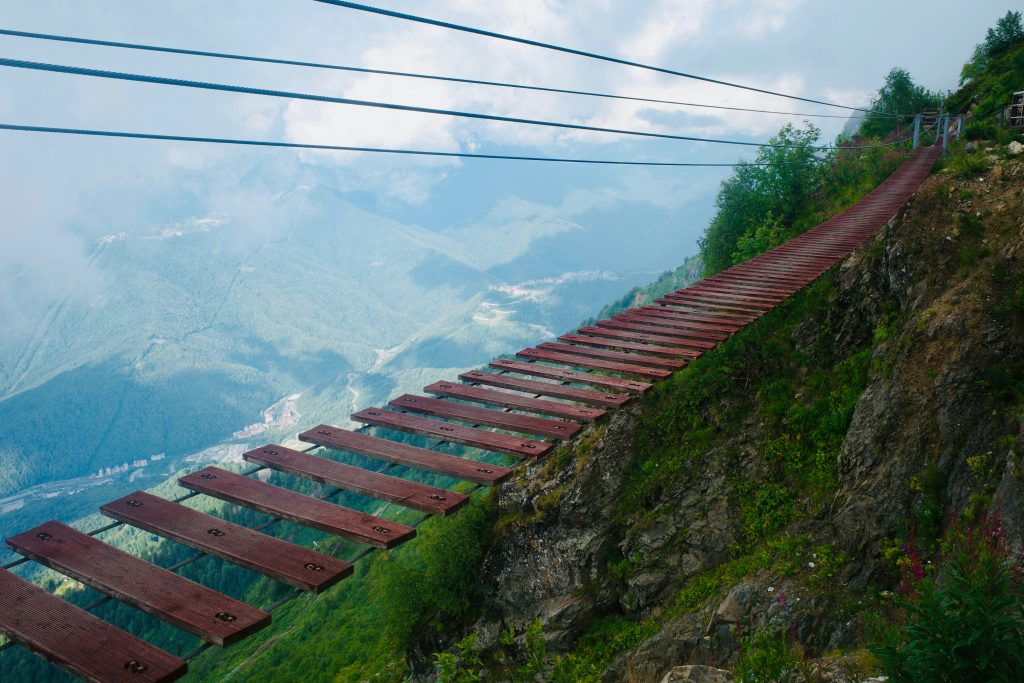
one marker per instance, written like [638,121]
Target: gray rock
[697,673]
[737,604]
[1015,148]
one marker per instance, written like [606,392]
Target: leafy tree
[775,187]
[898,95]
[1008,31]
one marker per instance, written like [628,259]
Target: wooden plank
[212,616]
[683,336]
[288,563]
[696,301]
[710,322]
[666,307]
[78,642]
[572,376]
[449,431]
[671,327]
[637,358]
[603,343]
[720,301]
[410,494]
[408,456]
[298,508]
[588,396]
[566,411]
[581,361]
[660,339]
[488,417]
[730,297]
[701,309]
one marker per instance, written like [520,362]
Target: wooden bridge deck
[549,392]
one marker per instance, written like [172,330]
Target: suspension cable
[380,150]
[160,80]
[406,74]
[582,53]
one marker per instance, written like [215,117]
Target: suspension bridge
[521,408]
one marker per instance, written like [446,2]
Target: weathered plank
[584,361]
[288,563]
[693,338]
[603,343]
[691,329]
[448,431]
[403,454]
[298,508]
[488,417]
[626,335]
[636,358]
[213,616]
[465,392]
[78,642]
[587,396]
[572,376]
[373,484]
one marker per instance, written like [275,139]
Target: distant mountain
[201,325]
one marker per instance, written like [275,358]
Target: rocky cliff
[770,486]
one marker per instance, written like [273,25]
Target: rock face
[940,398]
[697,674]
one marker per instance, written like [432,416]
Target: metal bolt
[372,412]
[434,496]
[43,536]
[324,432]
[527,445]
[225,617]
[313,567]
[445,386]
[208,475]
[215,532]
[447,429]
[132,503]
[481,469]
[382,530]
[269,451]
[409,400]
[135,666]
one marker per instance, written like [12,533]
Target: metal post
[959,126]
[945,133]
[917,130]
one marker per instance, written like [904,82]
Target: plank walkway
[549,391]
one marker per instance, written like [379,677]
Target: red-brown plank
[373,484]
[213,616]
[408,456]
[588,396]
[697,301]
[448,431]
[719,301]
[637,358]
[694,338]
[566,411]
[572,376]
[616,332]
[298,508]
[720,315]
[603,343]
[698,330]
[719,324]
[488,417]
[78,642]
[581,361]
[288,563]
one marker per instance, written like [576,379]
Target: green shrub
[962,623]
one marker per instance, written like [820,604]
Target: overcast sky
[60,194]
